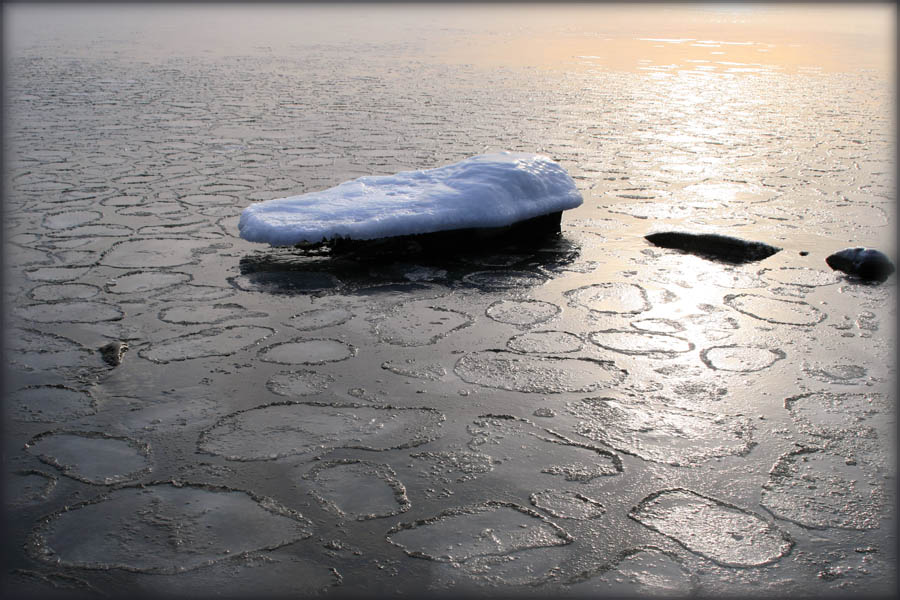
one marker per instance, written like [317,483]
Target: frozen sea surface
[584,416]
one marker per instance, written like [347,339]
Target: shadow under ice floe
[661,434]
[490,529]
[504,280]
[310,429]
[721,532]
[164,528]
[536,374]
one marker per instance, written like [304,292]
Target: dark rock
[865,263]
[113,353]
[713,246]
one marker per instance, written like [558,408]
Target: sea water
[592,414]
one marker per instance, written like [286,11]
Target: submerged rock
[865,263]
[714,246]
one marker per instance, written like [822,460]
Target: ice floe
[217,341]
[301,351]
[567,504]
[522,313]
[740,358]
[818,489]
[298,383]
[164,528]
[489,529]
[659,433]
[524,448]
[92,457]
[418,322]
[641,572]
[50,403]
[309,429]
[639,343]
[319,318]
[358,489]
[545,342]
[719,531]
[610,298]
[774,310]
[489,190]
[537,374]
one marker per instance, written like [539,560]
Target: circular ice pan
[774,310]
[522,313]
[216,341]
[301,351]
[164,527]
[545,342]
[143,282]
[610,298]
[723,533]
[740,358]
[70,311]
[310,429]
[92,457]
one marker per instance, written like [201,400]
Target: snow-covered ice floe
[482,192]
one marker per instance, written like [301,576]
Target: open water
[591,416]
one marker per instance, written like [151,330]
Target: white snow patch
[489,190]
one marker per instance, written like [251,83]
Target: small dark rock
[113,353]
[804,253]
[713,246]
[865,263]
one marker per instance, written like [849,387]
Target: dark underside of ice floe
[528,231]
[713,246]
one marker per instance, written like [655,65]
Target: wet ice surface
[165,528]
[722,533]
[590,415]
